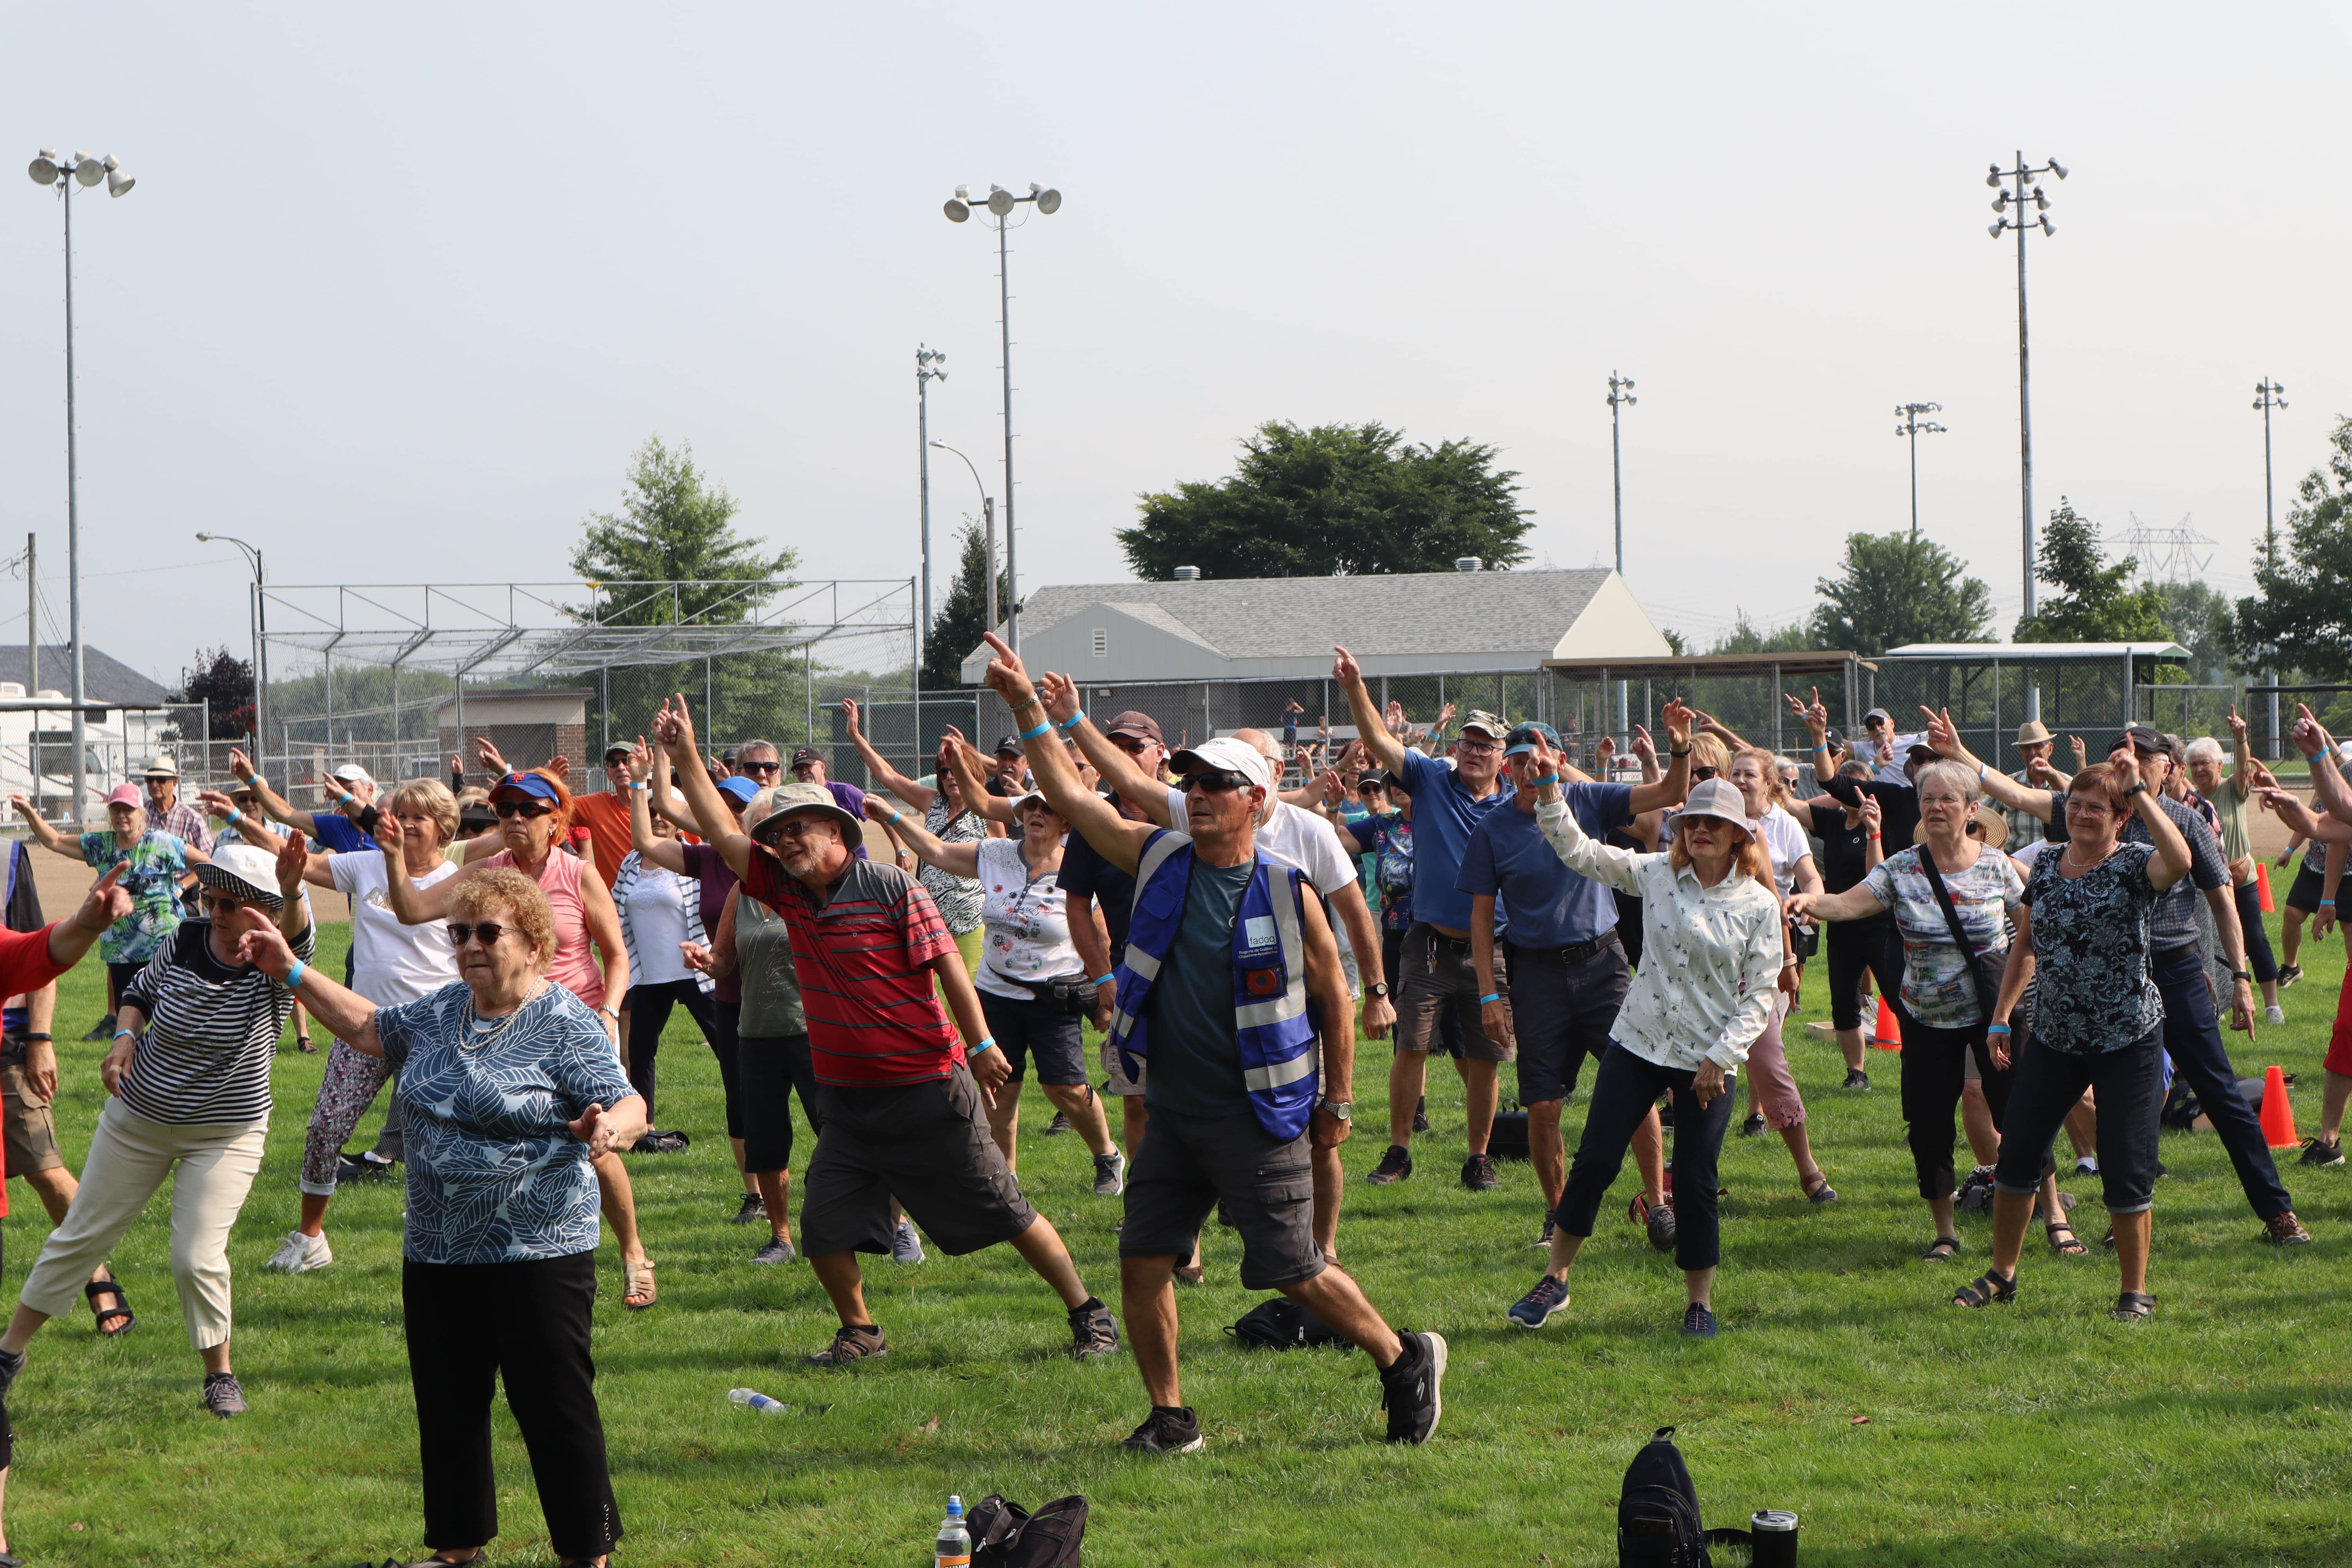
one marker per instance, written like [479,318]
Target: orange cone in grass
[2262,883]
[1887,1035]
[2278,1116]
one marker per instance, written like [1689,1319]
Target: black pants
[2259,957]
[723,1031]
[2129,1083]
[1935,1064]
[2193,1037]
[470,1324]
[771,1067]
[119,977]
[1857,946]
[648,1008]
[1623,1092]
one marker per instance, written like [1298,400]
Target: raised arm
[882,774]
[1115,838]
[1676,719]
[273,804]
[1060,696]
[964,762]
[674,730]
[2242,777]
[2171,859]
[46,832]
[651,848]
[1587,856]
[1945,737]
[2328,790]
[70,939]
[345,1013]
[1387,749]
[962,859]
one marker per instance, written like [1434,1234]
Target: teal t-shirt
[1195,1048]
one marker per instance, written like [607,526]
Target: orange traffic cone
[1887,1035]
[2262,881]
[2278,1116]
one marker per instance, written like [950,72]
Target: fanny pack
[1074,997]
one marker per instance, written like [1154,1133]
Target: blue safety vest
[1278,1039]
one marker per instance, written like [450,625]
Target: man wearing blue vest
[1223,951]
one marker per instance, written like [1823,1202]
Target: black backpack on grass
[1006,1535]
[1281,1324]
[1657,1512]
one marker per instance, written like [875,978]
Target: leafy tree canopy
[220,678]
[1745,636]
[2299,607]
[1897,589]
[1334,499]
[675,525]
[2201,621]
[2095,602]
[964,614]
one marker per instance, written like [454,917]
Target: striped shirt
[212,1029]
[863,956]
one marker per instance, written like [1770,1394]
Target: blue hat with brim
[739,789]
[536,785]
[1522,739]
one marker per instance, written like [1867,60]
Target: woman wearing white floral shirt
[1712,952]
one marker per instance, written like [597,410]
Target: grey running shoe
[1479,1174]
[1543,1243]
[851,1345]
[906,1246]
[1661,1226]
[1413,1386]
[1110,1174]
[754,1207]
[1394,1166]
[223,1395]
[1060,1124]
[1168,1429]
[1533,1309]
[1092,1331]
[777,1250]
[1698,1323]
[2319,1151]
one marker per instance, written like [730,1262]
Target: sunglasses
[526,809]
[1130,745]
[1698,774]
[219,903]
[1214,784]
[759,767]
[462,931]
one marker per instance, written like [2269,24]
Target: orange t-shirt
[607,822]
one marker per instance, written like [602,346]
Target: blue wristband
[294,975]
[987,1044]
[1042,725]
[1490,997]
[234,816]
[1996,1028]
[2327,903]
[1546,779]
[1073,722]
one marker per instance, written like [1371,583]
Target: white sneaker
[2276,1014]
[298,1254]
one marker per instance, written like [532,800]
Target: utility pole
[925,371]
[1914,427]
[1621,396]
[2020,198]
[2270,395]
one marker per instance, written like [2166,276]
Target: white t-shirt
[1027,920]
[1296,836]
[657,916]
[1891,756]
[2026,856]
[392,963]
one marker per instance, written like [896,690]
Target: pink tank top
[572,967]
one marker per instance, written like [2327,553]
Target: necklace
[481,1031]
[2083,865]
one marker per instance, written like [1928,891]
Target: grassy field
[2040,1433]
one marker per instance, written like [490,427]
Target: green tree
[2299,605]
[2095,602]
[675,526]
[1336,500]
[1745,636]
[963,616]
[2201,621]
[1896,589]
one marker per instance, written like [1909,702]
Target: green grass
[2040,1433]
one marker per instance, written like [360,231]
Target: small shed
[529,728]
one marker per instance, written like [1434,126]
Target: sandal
[1943,1251]
[302,1043]
[97,1291]
[2133,1307]
[1987,1289]
[638,1290]
[1824,1193]
[2070,1247]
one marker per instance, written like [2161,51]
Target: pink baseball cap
[125,794]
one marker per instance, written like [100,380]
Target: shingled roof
[104,679]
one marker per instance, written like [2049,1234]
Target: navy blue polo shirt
[1543,902]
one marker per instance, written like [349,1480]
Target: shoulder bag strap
[1952,921]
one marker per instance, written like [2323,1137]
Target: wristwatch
[1377,988]
[2141,788]
[1343,1109]
[2242,974]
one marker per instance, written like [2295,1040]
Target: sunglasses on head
[463,932]
[1214,784]
[526,809]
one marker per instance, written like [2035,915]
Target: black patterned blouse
[2091,990]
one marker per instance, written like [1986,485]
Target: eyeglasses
[1470,748]
[219,903]
[1130,745]
[527,810]
[793,827]
[1214,784]
[759,767]
[463,932]
[1698,774]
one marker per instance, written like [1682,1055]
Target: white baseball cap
[351,773]
[1225,755]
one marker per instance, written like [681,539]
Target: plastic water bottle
[752,1399]
[953,1549]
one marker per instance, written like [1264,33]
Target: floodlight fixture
[956,210]
[44,169]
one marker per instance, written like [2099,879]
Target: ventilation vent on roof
[1188,574]
[1465,563]
[1102,642]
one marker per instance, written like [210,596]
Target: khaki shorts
[30,1132]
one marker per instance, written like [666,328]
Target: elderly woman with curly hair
[511,1087]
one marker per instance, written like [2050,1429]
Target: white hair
[1944,771]
[2204,746]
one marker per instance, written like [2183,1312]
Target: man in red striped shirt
[902,1104]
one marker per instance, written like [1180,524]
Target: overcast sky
[401,288]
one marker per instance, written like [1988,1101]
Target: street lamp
[64,174]
[927,370]
[988,531]
[1620,395]
[258,622]
[1914,427]
[2011,205]
[1001,204]
[2270,395]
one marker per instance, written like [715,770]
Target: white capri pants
[130,1156]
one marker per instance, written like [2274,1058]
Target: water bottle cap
[1773,1520]
[955,1505]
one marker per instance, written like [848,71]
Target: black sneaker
[2319,1151]
[1533,1309]
[361,1168]
[1394,1166]
[223,1395]
[851,1345]
[754,1207]
[1479,1174]
[777,1250]
[1543,1243]
[2287,975]
[1412,1388]
[1855,1079]
[1661,1226]
[1421,1114]
[104,1028]
[1092,1330]
[1753,1125]
[1698,1323]
[1060,1124]
[12,1366]
[1168,1429]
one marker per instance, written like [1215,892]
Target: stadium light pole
[2270,395]
[987,532]
[1000,204]
[1914,427]
[258,623]
[2018,196]
[63,174]
[927,370]
[1620,395]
